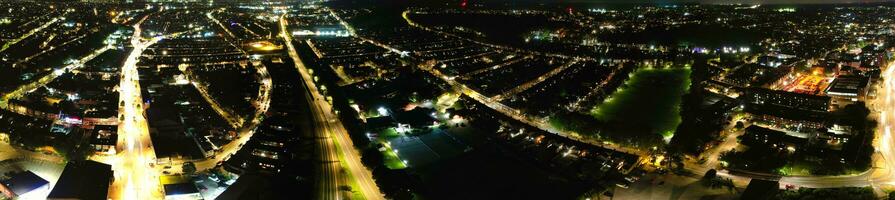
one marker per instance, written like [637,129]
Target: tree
[709,177]
[372,158]
[691,135]
[858,150]
[189,168]
[710,174]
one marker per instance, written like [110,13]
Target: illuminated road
[134,177]
[498,66]
[711,156]
[26,59]
[21,90]
[32,32]
[328,180]
[527,85]
[234,120]
[245,130]
[210,15]
[337,148]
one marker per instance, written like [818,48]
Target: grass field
[647,107]
[391,159]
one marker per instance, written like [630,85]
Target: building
[104,138]
[796,122]
[179,187]
[85,179]
[716,109]
[756,135]
[770,61]
[380,123]
[754,75]
[418,118]
[806,102]
[25,185]
[185,190]
[873,57]
[267,151]
[850,88]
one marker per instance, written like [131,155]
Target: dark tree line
[692,135]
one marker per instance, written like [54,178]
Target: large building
[849,87]
[806,102]
[756,135]
[801,115]
[83,180]
[797,123]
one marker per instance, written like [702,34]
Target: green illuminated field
[646,108]
[644,112]
[390,158]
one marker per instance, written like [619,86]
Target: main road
[337,148]
[135,177]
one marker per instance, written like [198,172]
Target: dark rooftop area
[85,179]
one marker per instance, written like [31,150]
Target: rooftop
[83,180]
[848,85]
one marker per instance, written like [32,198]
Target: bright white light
[382,111]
